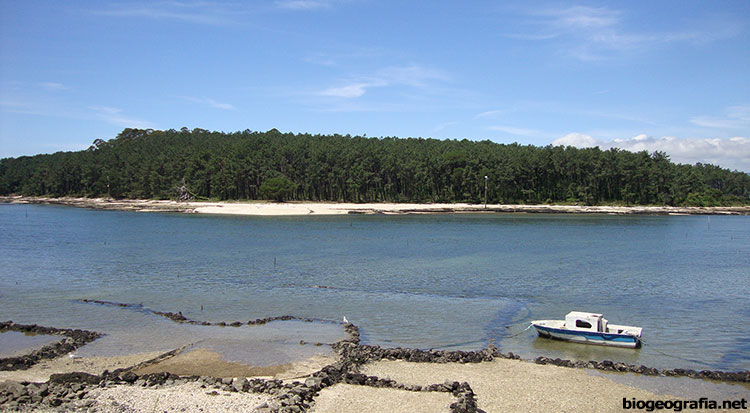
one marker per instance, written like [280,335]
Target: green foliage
[146,163]
[279,189]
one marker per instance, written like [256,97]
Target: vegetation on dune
[271,165]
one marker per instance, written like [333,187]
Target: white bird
[345,320]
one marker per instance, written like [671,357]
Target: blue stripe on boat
[591,335]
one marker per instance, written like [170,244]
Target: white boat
[589,328]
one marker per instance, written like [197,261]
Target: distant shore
[262,208]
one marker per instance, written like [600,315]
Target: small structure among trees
[183,193]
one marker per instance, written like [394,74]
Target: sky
[671,76]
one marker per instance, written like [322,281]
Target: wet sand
[204,362]
[515,385]
[501,385]
[41,372]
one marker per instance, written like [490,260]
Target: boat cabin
[580,321]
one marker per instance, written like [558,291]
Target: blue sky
[653,75]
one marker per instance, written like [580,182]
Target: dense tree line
[270,165]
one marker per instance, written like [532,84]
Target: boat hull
[589,337]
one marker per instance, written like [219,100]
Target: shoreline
[295,208]
[390,381]
[357,376]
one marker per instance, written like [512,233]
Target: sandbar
[263,208]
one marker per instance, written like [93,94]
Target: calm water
[437,281]
[14,343]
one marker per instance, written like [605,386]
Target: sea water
[458,281]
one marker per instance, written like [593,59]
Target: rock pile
[365,353]
[607,365]
[61,390]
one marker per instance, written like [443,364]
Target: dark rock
[74,377]
[12,389]
[128,377]
[355,378]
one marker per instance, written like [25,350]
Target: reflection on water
[16,343]
[577,351]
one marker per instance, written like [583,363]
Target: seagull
[345,320]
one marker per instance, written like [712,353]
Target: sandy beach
[500,385]
[515,385]
[262,208]
[201,381]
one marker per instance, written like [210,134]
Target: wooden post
[486,178]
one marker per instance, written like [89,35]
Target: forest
[248,165]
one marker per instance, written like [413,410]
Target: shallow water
[436,281]
[16,343]
[680,387]
[273,343]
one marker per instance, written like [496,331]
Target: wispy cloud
[353,90]
[209,102]
[491,113]
[735,117]
[515,131]
[199,12]
[732,153]
[577,18]
[596,33]
[344,57]
[21,107]
[115,117]
[304,4]
[53,86]
[413,76]
[443,125]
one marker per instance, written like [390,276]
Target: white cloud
[736,117]
[490,114]
[303,4]
[353,90]
[443,125]
[115,117]
[198,12]
[413,76]
[732,153]
[515,131]
[596,33]
[53,86]
[578,140]
[340,57]
[581,18]
[209,102]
